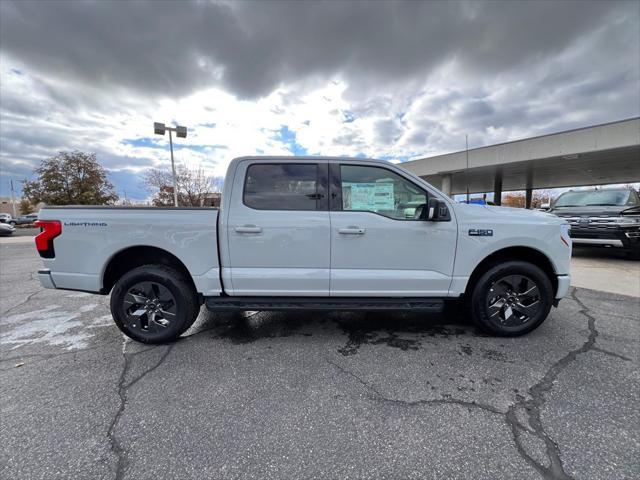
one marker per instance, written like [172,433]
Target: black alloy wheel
[510,298]
[154,304]
[513,300]
[149,307]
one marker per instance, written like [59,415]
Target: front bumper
[564,281]
[620,237]
[45,278]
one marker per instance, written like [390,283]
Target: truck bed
[93,236]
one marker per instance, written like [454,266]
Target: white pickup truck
[311,233]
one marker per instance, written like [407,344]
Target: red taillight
[44,240]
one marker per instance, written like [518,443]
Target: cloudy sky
[388,80]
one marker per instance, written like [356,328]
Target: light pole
[13,200]
[181,132]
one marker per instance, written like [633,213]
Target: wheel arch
[129,258]
[524,254]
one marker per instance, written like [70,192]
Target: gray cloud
[172,48]
[387,130]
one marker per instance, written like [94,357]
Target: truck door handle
[314,196]
[248,229]
[352,231]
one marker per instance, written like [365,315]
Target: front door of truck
[378,248]
[278,229]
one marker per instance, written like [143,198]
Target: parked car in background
[602,217]
[6,218]
[478,201]
[26,219]
[310,233]
[6,229]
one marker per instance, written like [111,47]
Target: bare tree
[160,183]
[517,199]
[193,185]
[196,186]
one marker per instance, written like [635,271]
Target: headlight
[564,235]
[628,221]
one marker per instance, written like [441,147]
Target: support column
[528,197]
[497,187]
[446,184]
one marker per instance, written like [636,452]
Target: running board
[238,304]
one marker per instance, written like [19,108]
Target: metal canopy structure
[596,155]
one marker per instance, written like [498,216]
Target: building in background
[6,205]
[597,155]
[212,199]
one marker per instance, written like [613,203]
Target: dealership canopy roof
[597,155]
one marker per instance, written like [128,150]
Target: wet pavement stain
[356,339]
[241,329]
[370,329]
[400,330]
[395,342]
[495,356]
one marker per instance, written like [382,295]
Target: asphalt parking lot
[308,395]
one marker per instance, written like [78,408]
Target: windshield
[595,197]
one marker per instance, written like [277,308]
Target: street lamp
[181,132]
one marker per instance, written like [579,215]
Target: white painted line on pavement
[26,239]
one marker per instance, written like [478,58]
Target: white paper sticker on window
[372,196]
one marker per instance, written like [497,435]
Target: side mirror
[434,211]
[545,206]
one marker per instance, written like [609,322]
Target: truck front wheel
[154,304]
[511,298]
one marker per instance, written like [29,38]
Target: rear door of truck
[278,229]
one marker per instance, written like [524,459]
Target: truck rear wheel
[511,299]
[154,304]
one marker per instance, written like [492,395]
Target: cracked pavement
[352,395]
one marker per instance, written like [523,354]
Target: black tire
[164,318]
[498,304]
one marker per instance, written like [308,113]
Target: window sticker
[371,196]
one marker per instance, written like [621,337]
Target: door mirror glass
[436,211]
[432,209]
[421,212]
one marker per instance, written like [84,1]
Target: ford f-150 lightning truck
[316,233]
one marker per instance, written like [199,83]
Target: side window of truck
[281,186]
[378,190]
